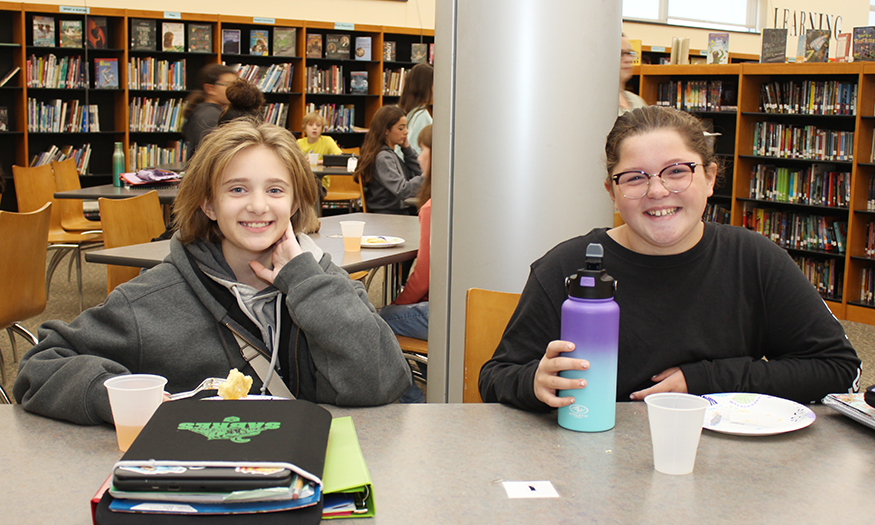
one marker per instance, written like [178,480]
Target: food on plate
[236,386]
[377,240]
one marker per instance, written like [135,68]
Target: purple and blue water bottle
[591,320]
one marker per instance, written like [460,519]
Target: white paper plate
[247,398]
[379,241]
[744,414]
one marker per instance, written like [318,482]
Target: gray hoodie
[168,321]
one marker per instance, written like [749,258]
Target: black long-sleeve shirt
[715,311]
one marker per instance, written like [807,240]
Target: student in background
[408,313]
[416,96]
[312,140]
[628,100]
[701,304]
[242,276]
[388,180]
[204,106]
[244,100]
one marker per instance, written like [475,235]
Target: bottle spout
[594,254]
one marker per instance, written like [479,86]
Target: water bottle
[591,320]
[118,164]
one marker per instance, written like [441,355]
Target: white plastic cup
[352,235]
[675,427]
[133,399]
[314,158]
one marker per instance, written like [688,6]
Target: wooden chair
[34,187]
[342,190]
[414,350]
[24,241]
[129,221]
[71,210]
[486,316]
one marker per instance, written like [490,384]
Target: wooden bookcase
[847,300]
[115,105]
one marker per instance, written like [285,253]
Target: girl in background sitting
[388,180]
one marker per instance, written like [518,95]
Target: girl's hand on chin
[285,249]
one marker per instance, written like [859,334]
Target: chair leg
[23,332]
[60,250]
[78,253]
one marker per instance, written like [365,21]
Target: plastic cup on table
[314,158]
[133,399]
[352,235]
[675,427]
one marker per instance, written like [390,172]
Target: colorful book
[337,47]
[362,48]
[200,38]
[44,31]
[346,474]
[4,119]
[864,44]
[800,50]
[285,41]
[816,45]
[418,52]
[389,51]
[636,48]
[231,41]
[71,33]
[774,49]
[97,32]
[314,46]
[143,34]
[718,48]
[106,73]
[173,37]
[258,39]
[431,53]
[358,82]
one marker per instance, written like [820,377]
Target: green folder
[345,469]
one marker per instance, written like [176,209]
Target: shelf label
[76,10]
[175,15]
[344,26]
[261,20]
[657,49]
[704,52]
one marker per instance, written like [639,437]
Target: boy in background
[312,140]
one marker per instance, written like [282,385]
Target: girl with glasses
[701,304]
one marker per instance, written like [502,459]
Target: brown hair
[245,100]
[418,88]
[655,118]
[313,116]
[205,171]
[209,74]
[425,190]
[375,140]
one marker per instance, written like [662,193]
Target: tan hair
[205,171]
[655,118]
[209,74]
[311,117]
[418,88]
[424,194]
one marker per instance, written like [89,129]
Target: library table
[444,463]
[328,238]
[107,191]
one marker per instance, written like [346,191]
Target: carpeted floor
[63,304]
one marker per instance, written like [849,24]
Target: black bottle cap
[591,282]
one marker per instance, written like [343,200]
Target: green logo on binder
[231,428]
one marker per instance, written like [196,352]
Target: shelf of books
[12,101]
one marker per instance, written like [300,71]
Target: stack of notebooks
[213,461]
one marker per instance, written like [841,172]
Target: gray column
[525,93]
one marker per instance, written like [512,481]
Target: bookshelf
[804,198]
[153,135]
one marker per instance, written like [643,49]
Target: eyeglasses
[220,83]
[676,178]
[628,54]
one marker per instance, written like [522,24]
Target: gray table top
[108,191]
[405,226]
[443,463]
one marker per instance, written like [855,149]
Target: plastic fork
[210,383]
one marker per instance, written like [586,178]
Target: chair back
[129,221]
[342,188]
[34,187]
[362,190]
[71,210]
[24,242]
[486,316]
[352,151]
